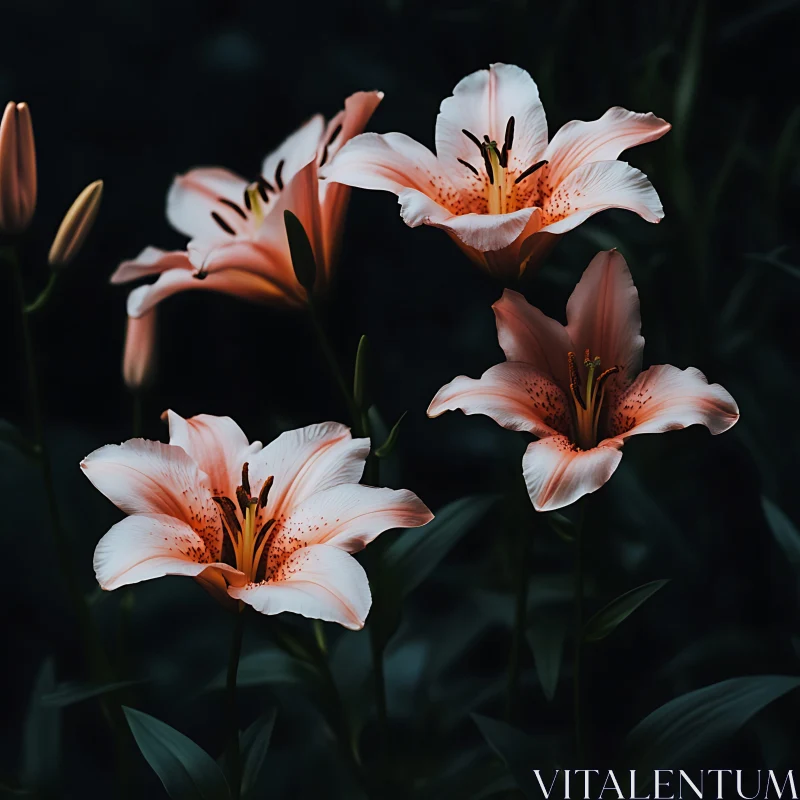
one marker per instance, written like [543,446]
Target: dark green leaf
[607,619]
[71,692]
[11,436]
[386,449]
[305,266]
[561,525]
[417,552]
[546,639]
[516,749]
[690,74]
[255,743]
[41,738]
[267,667]
[186,770]
[687,725]
[360,373]
[784,531]
[773,259]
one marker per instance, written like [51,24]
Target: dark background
[135,92]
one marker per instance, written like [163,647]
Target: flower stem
[97,658]
[577,679]
[234,760]
[333,366]
[520,622]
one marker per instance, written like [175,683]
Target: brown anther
[467,165]
[488,163]
[247,201]
[221,222]
[278,171]
[232,205]
[246,477]
[228,512]
[473,138]
[243,498]
[604,376]
[509,137]
[264,529]
[263,495]
[530,171]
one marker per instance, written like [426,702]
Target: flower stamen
[588,402]
[528,172]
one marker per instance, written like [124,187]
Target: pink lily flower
[238,243]
[270,526]
[497,187]
[583,409]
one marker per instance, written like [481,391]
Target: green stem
[99,665]
[44,296]
[520,624]
[234,759]
[97,660]
[577,680]
[335,369]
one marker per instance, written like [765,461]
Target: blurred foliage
[135,92]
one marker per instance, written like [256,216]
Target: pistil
[588,403]
[248,545]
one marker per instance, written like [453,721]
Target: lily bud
[17,169]
[76,225]
[139,360]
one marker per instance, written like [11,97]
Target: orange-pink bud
[76,225]
[17,169]
[139,360]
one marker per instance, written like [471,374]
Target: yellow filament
[255,204]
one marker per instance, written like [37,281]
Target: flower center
[249,541]
[501,186]
[587,401]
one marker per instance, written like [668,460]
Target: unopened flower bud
[139,360]
[76,225]
[17,169]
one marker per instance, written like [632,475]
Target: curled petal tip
[75,226]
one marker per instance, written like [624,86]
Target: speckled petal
[513,394]
[319,582]
[557,473]
[350,516]
[665,398]
[147,546]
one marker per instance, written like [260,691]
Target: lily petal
[296,151]
[358,108]
[557,473]
[513,394]
[391,162]
[484,232]
[217,444]
[350,121]
[597,187]
[665,398]
[350,516]
[603,314]
[147,546]
[151,261]
[267,259]
[603,139]
[193,196]
[237,282]
[319,582]
[308,460]
[145,477]
[526,334]
[482,103]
